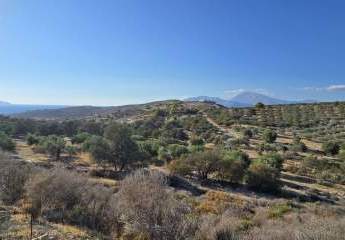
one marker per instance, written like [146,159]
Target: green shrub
[263,177]
[278,210]
[6,143]
[331,147]
[273,160]
[32,139]
[233,166]
[196,141]
[248,133]
[53,145]
[177,150]
[81,138]
[269,136]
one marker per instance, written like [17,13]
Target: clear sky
[113,52]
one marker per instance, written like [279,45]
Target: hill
[117,112]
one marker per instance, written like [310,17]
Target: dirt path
[228,131]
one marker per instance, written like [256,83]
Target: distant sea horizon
[9,109]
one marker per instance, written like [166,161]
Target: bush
[196,141]
[148,209]
[81,138]
[297,145]
[164,155]
[269,136]
[53,145]
[203,163]
[32,139]
[331,148]
[233,166]
[6,143]
[263,177]
[99,149]
[177,150]
[63,196]
[13,176]
[273,160]
[71,151]
[149,147]
[248,133]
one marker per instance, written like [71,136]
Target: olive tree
[123,150]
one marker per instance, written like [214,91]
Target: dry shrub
[216,202]
[312,229]
[148,210]
[322,229]
[13,176]
[63,196]
[229,225]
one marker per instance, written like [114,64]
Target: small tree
[54,145]
[99,149]
[269,136]
[124,151]
[204,163]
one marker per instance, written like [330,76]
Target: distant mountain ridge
[224,102]
[247,99]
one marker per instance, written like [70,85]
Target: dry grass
[25,152]
[84,159]
[105,182]
[312,145]
[70,230]
[216,202]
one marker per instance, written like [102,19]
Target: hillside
[116,112]
[261,171]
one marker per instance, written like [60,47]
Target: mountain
[224,102]
[252,98]
[246,99]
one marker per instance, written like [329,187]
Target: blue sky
[113,52]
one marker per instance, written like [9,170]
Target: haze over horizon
[124,52]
